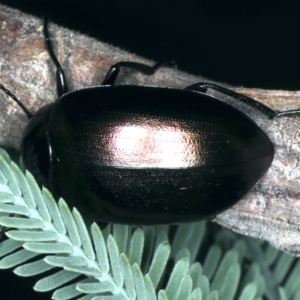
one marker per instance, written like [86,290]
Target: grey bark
[271,211]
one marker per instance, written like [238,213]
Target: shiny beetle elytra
[145,155]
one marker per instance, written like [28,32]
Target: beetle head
[35,148]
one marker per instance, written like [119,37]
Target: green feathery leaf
[48,239]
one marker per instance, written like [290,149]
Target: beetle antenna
[12,96]
[61,82]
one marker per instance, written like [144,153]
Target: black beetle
[145,155]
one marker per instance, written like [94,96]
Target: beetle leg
[114,70]
[61,82]
[203,86]
[287,113]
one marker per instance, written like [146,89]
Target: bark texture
[271,211]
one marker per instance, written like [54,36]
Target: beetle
[145,155]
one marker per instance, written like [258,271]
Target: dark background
[248,43]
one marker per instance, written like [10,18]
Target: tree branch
[270,211]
